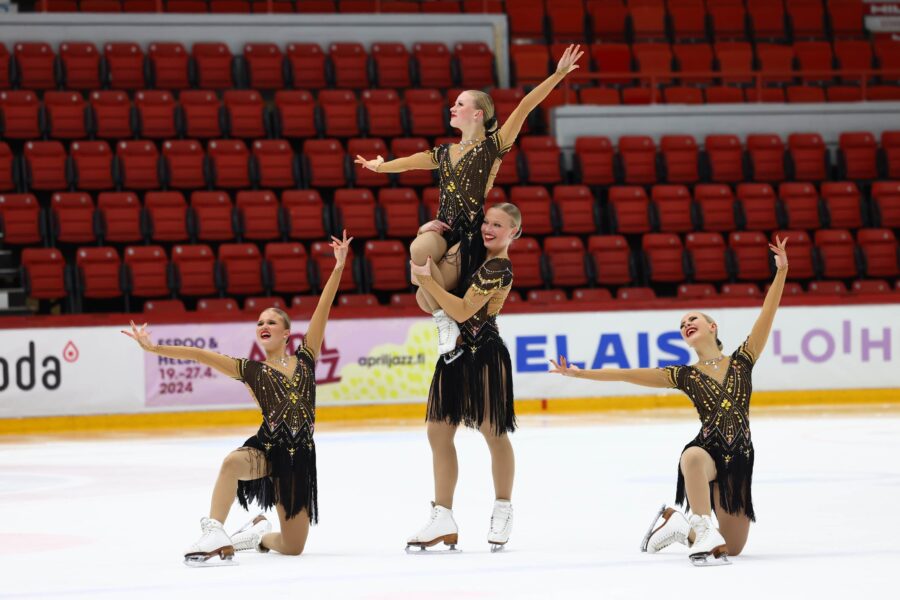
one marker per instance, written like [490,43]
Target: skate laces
[207,525]
[500,517]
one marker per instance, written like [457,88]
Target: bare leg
[444,462]
[734,528]
[449,267]
[699,470]
[244,464]
[428,244]
[292,537]
[503,461]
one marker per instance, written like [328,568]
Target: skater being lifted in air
[277,466]
[716,468]
[467,170]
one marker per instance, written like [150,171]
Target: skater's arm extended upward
[219,362]
[647,377]
[760,332]
[315,333]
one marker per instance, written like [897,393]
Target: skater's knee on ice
[293,549]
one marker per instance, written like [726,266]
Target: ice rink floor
[109,517]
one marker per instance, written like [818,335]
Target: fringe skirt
[733,476]
[475,386]
[290,482]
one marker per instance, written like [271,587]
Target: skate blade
[497,547]
[708,560]
[417,550]
[209,561]
[650,529]
[250,523]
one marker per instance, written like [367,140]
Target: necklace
[463,143]
[283,360]
[713,362]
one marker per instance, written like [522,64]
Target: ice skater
[715,471]
[473,386]
[467,170]
[277,466]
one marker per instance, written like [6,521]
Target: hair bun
[490,124]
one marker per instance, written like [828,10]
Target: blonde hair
[284,316]
[485,104]
[513,211]
[711,322]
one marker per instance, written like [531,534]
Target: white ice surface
[110,518]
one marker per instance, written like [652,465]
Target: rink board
[381,368]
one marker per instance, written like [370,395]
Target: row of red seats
[278,6]
[732,60]
[765,158]
[262,66]
[727,94]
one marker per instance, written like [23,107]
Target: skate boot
[440,528]
[213,543]
[249,537]
[709,547]
[501,525]
[448,331]
[674,528]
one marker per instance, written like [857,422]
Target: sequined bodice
[494,278]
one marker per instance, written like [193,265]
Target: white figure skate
[501,525]
[440,528]
[674,528]
[249,537]
[213,543]
[448,331]
[708,549]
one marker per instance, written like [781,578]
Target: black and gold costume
[463,187]
[724,411]
[288,405]
[482,376]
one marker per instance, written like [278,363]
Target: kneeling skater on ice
[716,467]
[473,384]
[277,466]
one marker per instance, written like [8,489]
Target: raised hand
[141,335]
[781,261]
[562,368]
[423,270]
[371,165]
[436,226]
[341,248]
[569,60]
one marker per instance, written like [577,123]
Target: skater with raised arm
[715,471]
[277,466]
[467,170]
[473,388]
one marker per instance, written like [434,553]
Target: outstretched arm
[419,160]
[219,362]
[647,377]
[458,309]
[315,333]
[513,125]
[760,332]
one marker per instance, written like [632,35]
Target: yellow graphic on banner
[390,372]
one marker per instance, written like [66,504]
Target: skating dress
[482,376]
[724,411]
[288,405]
[461,200]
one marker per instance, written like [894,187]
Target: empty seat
[576,209]
[679,156]
[98,272]
[693,58]
[613,261]
[20,110]
[842,203]
[213,216]
[528,63]
[9,171]
[112,114]
[853,55]
[184,161]
[723,94]
[354,210]
[80,65]
[34,63]
[169,65]
[837,253]
[608,20]
[566,261]
[696,291]
[391,65]
[879,252]
[827,288]
[735,61]
[812,58]
[194,267]
[604,96]
[767,19]
[672,205]
[653,59]
[594,160]
[648,20]
[399,212]
[340,113]
[287,267]
[324,163]
[683,95]
[526,19]
[124,65]
[612,58]
[45,166]
[807,157]
[258,214]
[740,290]
[802,262]
[369,147]
[146,271]
[635,294]
[138,165]
[664,257]
[350,64]
[44,273]
[751,255]
[214,65]
[241,266]
[542,159]
[870,287]
[724,158]
[156,114]
[264,63]
[401,147]
[886,203]
[431,65]
[257,304]
[294,113]
[715,209]
[804,94]
[202,113]
[166,216]
[629,209]
[383,113]
[846,18]
[534,202]
[92,166]
[800,202]
[217,305]
[244,113]
[306,215]
[708,257]
[426,111]
[475,63]
[322,259]
[526,255]
[807,19]
[857,156]
[546,298]
[638,158]
[276,166]
[758,205]
[727,20]
[5,81]
[66,115]
[890,154]
[20,220]
[306,65]
[766,157]
[229,164]
[387,263]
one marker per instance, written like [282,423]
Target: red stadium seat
[801,205]
[814,56]
[476,65]
[576,209]
[306,215]
[369,147]
[45,166]
[879,252]
[837,253]
[257,304]
[245,112]
[775,57]
[727,20]
[534,202]
[258,214]
[340,112]
[612,58]
[608,19]
[640,95]
[843,204]
[354,210]
[427,112]
[653,59]
[215,65]
[306,64]
[325,163]
[9,173]
[229,164]
[138,165]
[870,287]
[167,216]
[264,66]
[725,158]
[124,65]
[843,93]
[169,65]
[186,6]
[156,114]
[241,266]
[21,222]
[547,298]
[635,294]
[20,110]
[629,209]
[599,95]
[890,154]
[542,159]
[185,164]
[66,114]
[201,110]
[767,19]
[807,157]
[672,204]
[401,147]
[295,114]
[526,18]
[751,255]
[44,273]
[807,19]
[350,64]
[857,156]
[740,290]
[526,255]
[804,94]
[386,265]
[80,65]
[566,21]
[638,156]
[613,261]
[886,203]
[766,154]
[431,64]
[734,59]
[98,272]
[213,216]
[855,55]
[683,95]
[827,288]
[194,268]
[399,212]
[276,165]
[391,62]
[696,291]
[34,62]
[5,82]
[229,6]
[566,261]
[802,263]
[706,252]
[648,20]
[146,271]
[720,94]
[693,58]
[287,267]
[322,258]
[846,18]
[688,20]
[769,95]
[664,257]
[111,114]
[758,205]
[217,305]
[382,111]
[679,158]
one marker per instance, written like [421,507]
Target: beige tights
[444,270]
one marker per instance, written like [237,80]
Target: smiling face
[271,332]
[498,230]
[695,328]
[464,113]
